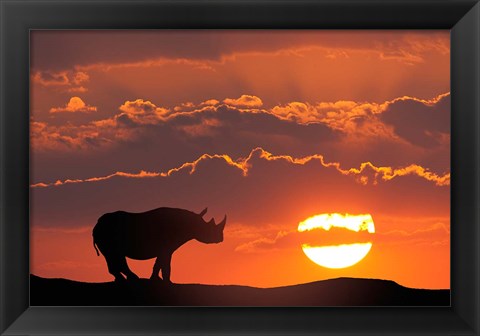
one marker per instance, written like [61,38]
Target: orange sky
[269,127]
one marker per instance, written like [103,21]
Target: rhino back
[147,232]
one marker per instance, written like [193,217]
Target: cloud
[245,164]
[297,112]
[319,237]
[244,101]
[209,102]
[80,77]
[68,81]
[141,112]
[434,234]
[187,105]
[402,56]
[438,226]
[420,122]
[411,49]
[75,104]
[45,78]
[77,89]
[348,117]
[147,63]
[330,128]
[47,137]
[264,243]
[213,46]
[437,233]
[423,123]
[142,120]
[206,127]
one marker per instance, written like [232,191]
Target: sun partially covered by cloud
[75,104]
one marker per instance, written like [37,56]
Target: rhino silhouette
[153,234]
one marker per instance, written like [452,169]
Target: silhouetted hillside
[334,292]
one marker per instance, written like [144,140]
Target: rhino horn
[223,222]
[204,211]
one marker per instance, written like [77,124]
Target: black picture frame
[18,17]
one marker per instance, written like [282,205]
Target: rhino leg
[166,270]
[114,264]
[156,269]
[126,270]
[162,262]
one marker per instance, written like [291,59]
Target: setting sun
[341,255]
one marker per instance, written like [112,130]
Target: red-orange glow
[268,127]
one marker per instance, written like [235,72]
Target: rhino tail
[95,246]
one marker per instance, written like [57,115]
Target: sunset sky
[268,127]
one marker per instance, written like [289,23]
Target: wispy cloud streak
[245,164]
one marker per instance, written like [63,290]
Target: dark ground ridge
[145,292]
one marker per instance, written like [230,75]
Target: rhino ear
[222,223]
[204,211]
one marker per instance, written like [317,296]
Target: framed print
[186,167]
[273,188]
